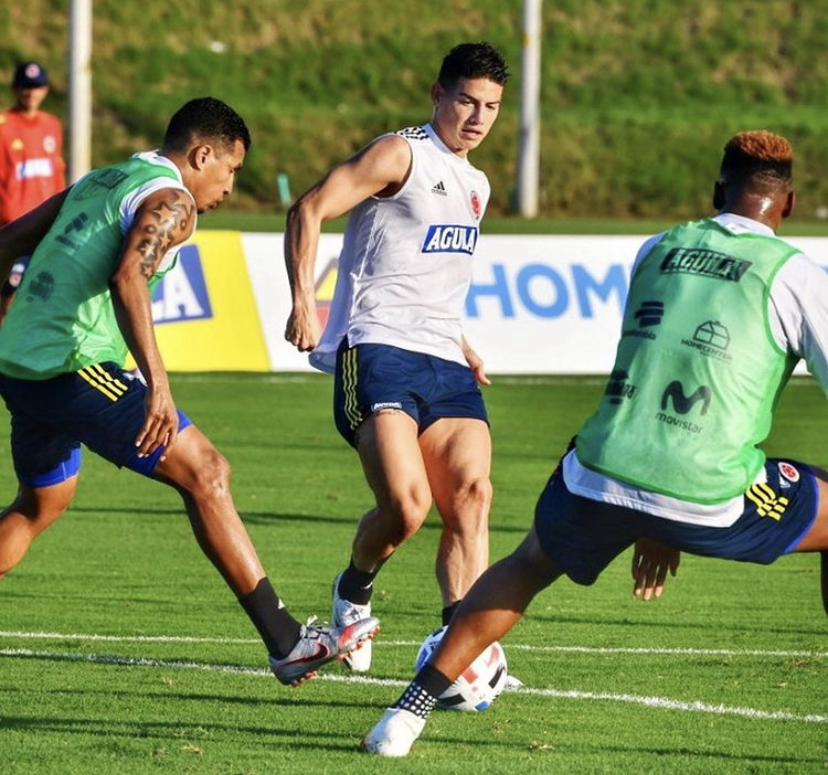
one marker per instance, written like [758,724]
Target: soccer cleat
[318,645]
[343,613]
[394,733]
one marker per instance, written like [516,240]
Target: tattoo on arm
[167,221]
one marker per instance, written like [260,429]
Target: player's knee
[42,506]
[474,502]
[405,515]
[480,493]
[411,517]
[212,476]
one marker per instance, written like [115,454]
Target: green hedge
[638,98]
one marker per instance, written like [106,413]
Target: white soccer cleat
[343,613]
[318,645]
[394,733]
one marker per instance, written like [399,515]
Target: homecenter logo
[712,340]
[445,238]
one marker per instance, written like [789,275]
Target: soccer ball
[478,685]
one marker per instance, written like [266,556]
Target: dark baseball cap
[29,74]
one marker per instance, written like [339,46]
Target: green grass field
[121,651]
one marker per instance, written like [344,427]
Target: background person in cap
[31,158]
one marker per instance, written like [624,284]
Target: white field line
[651,702]
[648,651]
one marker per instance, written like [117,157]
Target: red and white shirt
[31,161]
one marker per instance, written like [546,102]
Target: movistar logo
[447,238]
[682,404]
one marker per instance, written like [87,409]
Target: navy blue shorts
[371,377]
[583,536]
[101,406]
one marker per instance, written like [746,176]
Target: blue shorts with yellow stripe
[101,406]
[583,536]
[373,377]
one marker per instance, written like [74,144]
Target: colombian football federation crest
[789,472]
[474,199]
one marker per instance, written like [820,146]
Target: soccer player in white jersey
[406,392]
[671,454]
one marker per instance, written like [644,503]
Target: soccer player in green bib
[98,249]
[719,312]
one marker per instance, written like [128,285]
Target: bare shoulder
[172,210]
[392,147]
[387,157]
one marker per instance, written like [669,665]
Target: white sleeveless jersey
[406,261]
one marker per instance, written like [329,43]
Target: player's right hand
[650,563]
[303,330]
[160,428]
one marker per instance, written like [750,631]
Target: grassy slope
[637,97]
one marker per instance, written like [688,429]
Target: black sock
[449,610]
[279,630]
[421,695]
[356,585]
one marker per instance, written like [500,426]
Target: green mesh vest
[697,373]
[62,318]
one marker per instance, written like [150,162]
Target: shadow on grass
[301,736]
[270,518]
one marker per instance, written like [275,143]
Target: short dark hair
[205,118]
[759,156]
[473,60]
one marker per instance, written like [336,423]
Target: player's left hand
[475,364]
[650,563]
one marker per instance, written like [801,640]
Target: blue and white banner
[536,305]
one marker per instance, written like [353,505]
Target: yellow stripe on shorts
[767,503]
[349,388]
[102,380]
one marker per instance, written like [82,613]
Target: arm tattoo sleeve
[161,226]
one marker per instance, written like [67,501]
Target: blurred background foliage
[637,98]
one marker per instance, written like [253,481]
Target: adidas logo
[439,189]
